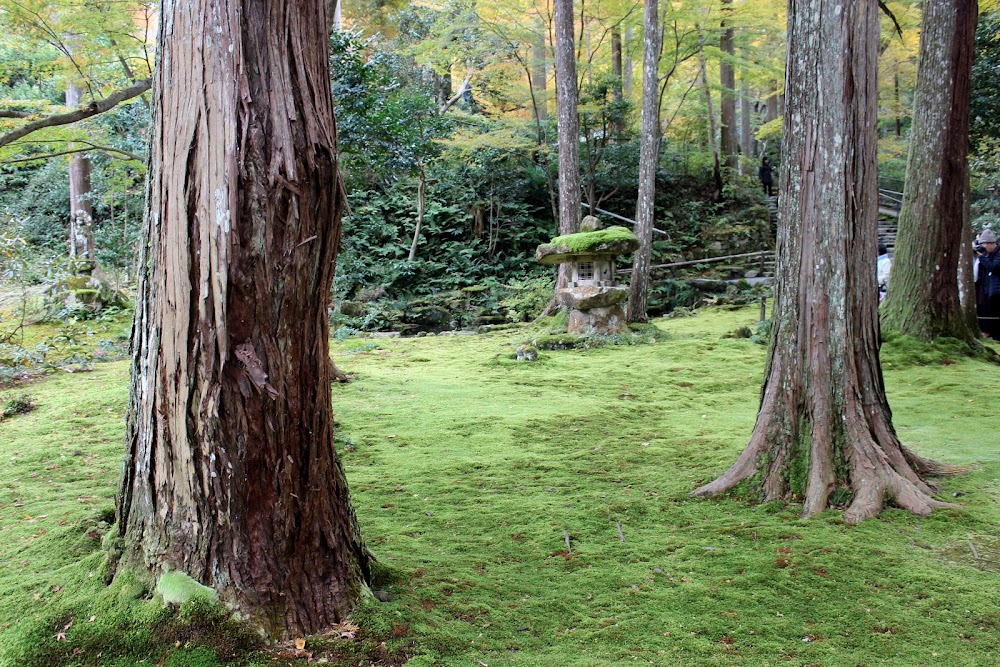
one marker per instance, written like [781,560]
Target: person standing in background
[766,176]
[988,284]
[883,267]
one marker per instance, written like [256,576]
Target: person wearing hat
[988,283]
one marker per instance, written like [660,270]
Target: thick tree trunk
[824,422]
[923,299]
[569,122]
[231,474]
[649,144]
[81,208]
[727,80]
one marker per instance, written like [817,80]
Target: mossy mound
[901,351]
[565,341]
[610,241]
[178,588]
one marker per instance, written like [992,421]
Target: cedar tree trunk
[568,134]
[746,131]
[713,144]
[824,422]
[616,74]
[616,60]
[539,75]
[649,146]
[569,122]
[727,80]
[772,102]
[230,472]
[627,65]
[81,209]
[923,299]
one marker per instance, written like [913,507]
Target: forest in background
[446,115]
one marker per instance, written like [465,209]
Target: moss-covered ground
[537,514]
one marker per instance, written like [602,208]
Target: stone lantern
[592,295]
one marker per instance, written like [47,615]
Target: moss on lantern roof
[609,242]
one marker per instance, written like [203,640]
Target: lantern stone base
[606,320]
[586,297]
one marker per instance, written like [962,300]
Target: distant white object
[884,265]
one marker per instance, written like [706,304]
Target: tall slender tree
[568,133]
[824,420]
[713,144]
[649,151]
[616,73]
[746,131]
[627,64]
[81,208]
[923,298]
[539,73]
[567,97]
[230,473]
[727,81]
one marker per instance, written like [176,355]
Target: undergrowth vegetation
[537,514]
[70,340]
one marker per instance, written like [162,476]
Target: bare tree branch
[4,113]
[90,147]
[457,96]
[888,12]
[92,109]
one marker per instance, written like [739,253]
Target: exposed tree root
[745,466]
[932,468]
[881,470]
[338,375]
[551,309]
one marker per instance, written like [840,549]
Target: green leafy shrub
[761,332]
[668,295]
[524,299]
[18,404]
